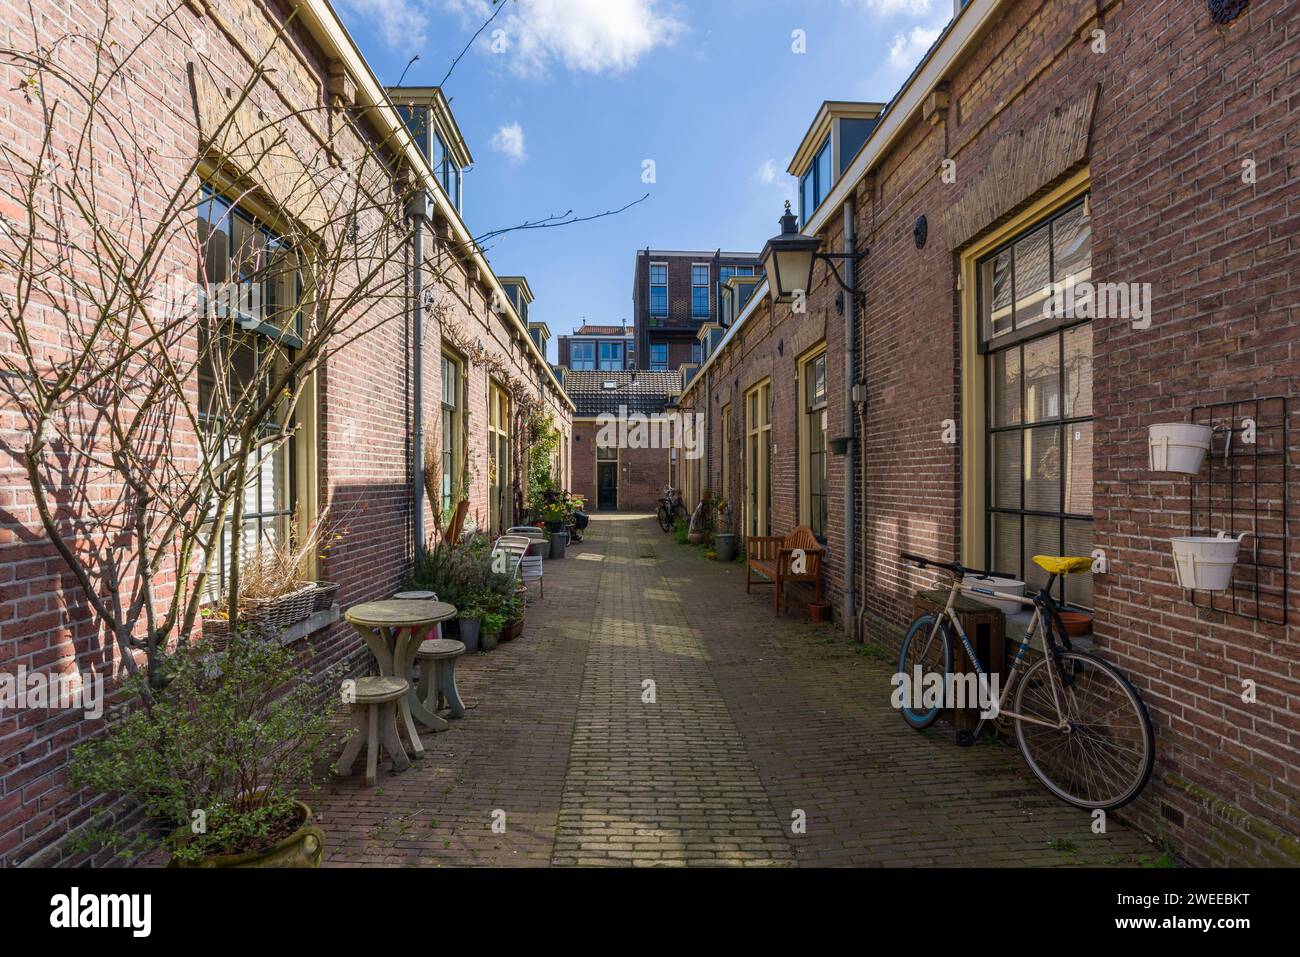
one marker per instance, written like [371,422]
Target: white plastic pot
[1204,563]
[1178,447]
[973,586]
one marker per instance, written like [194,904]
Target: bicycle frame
[1036,623]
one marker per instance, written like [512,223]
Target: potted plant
[555,515]
[490,632]
[724,540]
[697,533]
[471,620]
[217,758]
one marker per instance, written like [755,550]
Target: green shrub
[681,531]
[460,574]
[221,751]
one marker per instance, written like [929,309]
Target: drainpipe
[850,498]
[418,211]
[708,431]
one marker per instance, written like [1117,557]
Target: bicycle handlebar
[961,571]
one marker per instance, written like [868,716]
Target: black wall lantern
[789,258]
[921,231]
[1225,11]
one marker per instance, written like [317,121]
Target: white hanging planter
[1204,563]
[1178,447]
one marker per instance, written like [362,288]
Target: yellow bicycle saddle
[1056,565]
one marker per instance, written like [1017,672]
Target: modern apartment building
[593,348]
[674,293]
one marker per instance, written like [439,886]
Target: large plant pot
[1204,563]
[558,544]
[697,538]
[1178,447]
[487,640]
[512,630]
[725,545]
[303,848]
[469,633]
[972,588]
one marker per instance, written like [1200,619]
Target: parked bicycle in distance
[671,508]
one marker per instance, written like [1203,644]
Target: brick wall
[365,464]
[1182,103]
[642,473]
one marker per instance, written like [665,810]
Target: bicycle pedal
[965,738]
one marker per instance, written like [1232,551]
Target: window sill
[317,621]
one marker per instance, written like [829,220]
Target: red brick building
[609,472]
[1116,142]
[674,293]
[356,450]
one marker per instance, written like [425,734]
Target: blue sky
[564,105]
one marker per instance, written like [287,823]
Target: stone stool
[374,720]
[437,658]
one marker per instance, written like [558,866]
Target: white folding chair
[528,568]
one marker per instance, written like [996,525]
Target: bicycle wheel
[665,520]
[931,649]
[1103,756]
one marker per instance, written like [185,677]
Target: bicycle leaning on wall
[1080,725]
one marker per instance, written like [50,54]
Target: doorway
[607,486]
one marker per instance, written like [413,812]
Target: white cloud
[887,8]
[590,36]
[401,23]
[908,48]
[778,185]
[510,140]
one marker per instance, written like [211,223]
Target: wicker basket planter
[281,612]
[325,594]
[216,633]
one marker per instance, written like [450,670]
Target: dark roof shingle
[644,392]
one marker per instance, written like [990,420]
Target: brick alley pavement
[654,714]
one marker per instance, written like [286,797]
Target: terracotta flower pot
[819,611]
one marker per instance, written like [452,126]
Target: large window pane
[1078,371]
[1004,387]
[995,294]
[1006,469]
[1042,537]
[1072,246]
[1033,257]
[1005,550]
[1042,379]
[1043,469]
[1078,469]
[1078,541]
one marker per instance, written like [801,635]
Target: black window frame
[1020,339]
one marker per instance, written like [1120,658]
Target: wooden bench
[774,558]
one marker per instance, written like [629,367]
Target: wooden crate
[986,628]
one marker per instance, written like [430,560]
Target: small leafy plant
[220,753]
